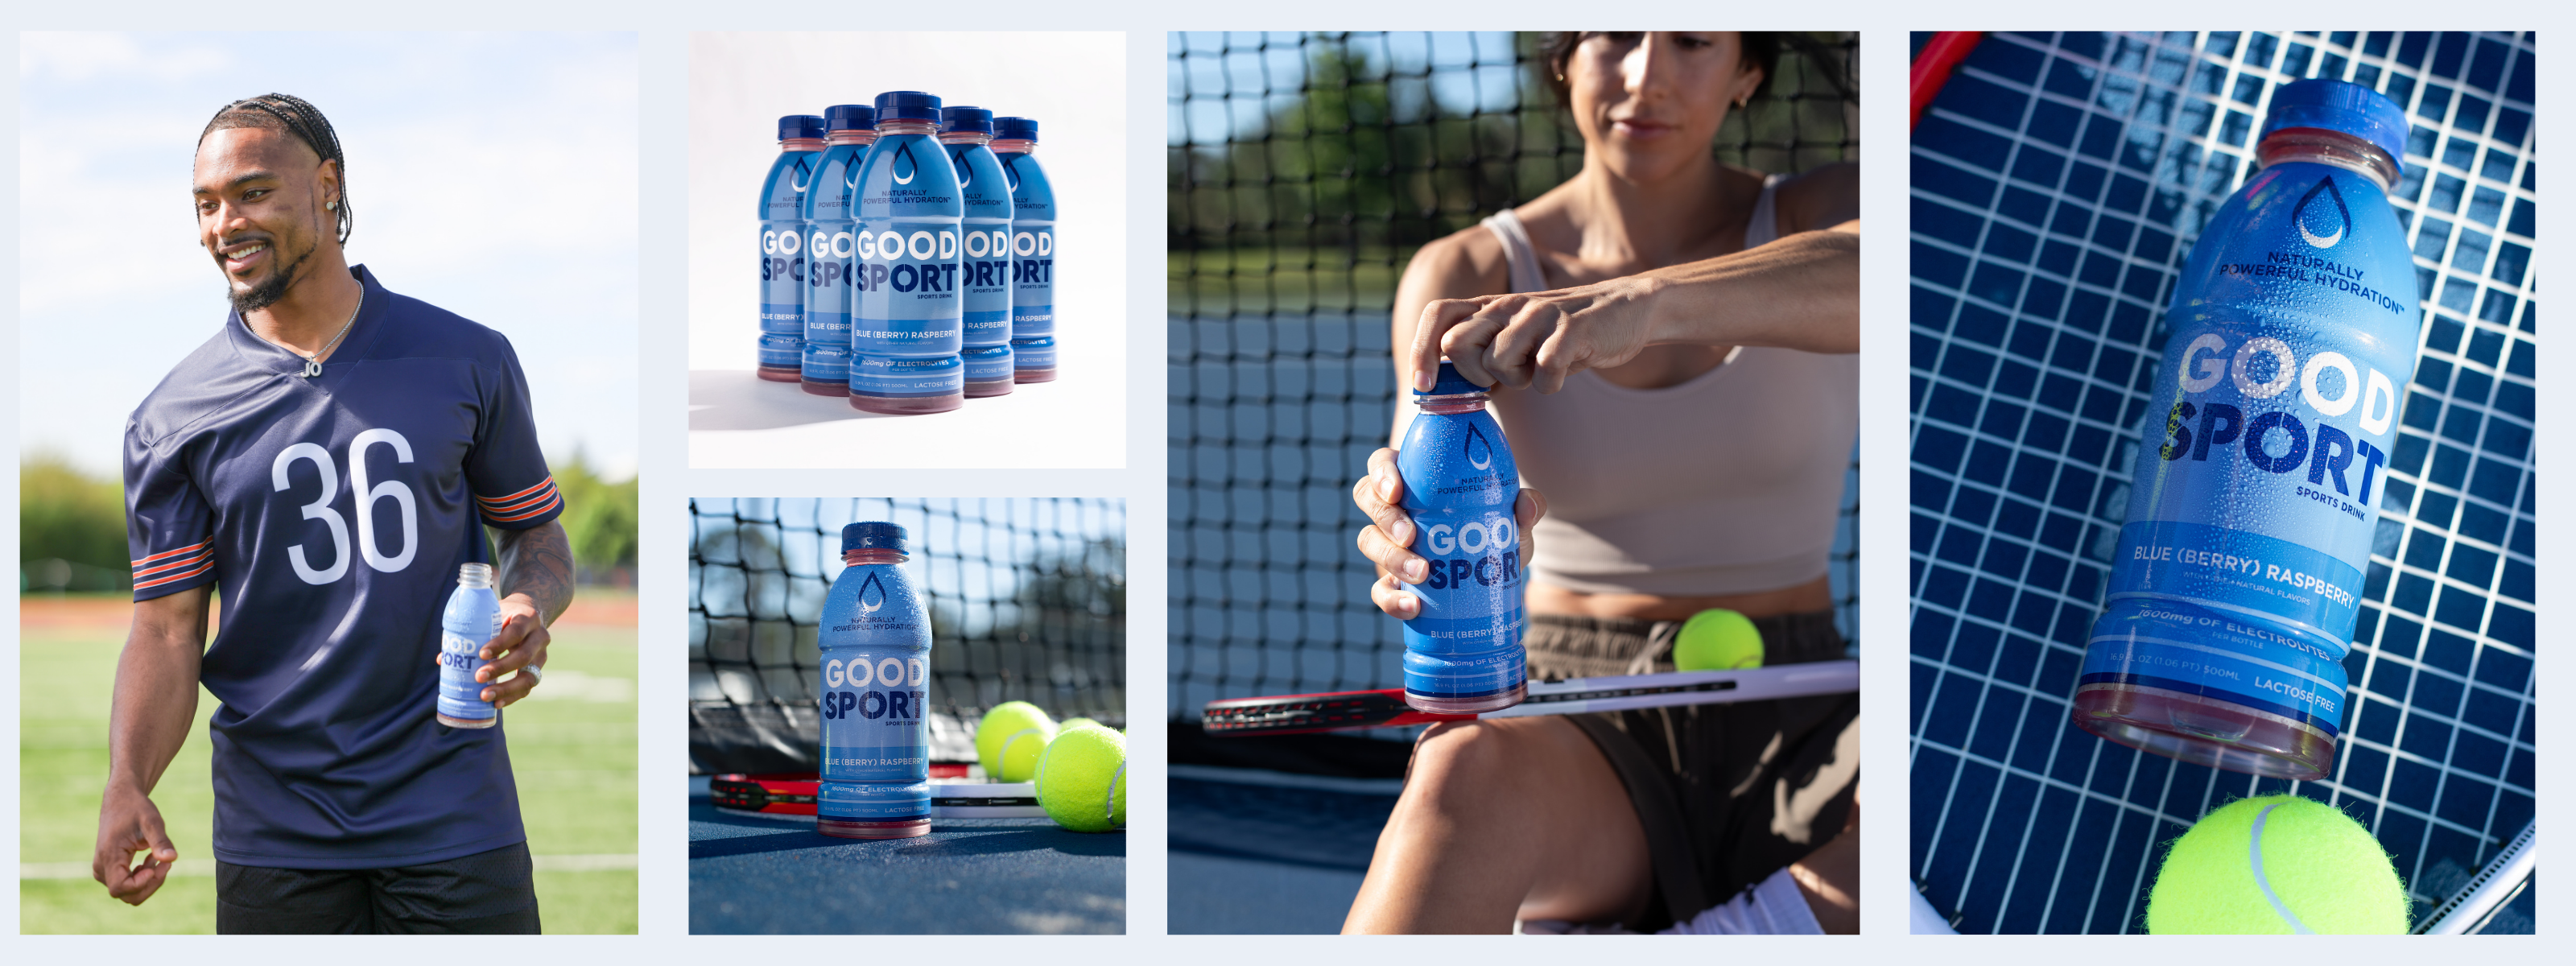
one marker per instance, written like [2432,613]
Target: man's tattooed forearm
[538,562]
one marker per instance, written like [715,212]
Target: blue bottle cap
[907,106]
[1015,128]
[800,126]
[1450,383]
[2338,106]
[873,535]
[966,119]
[850,117]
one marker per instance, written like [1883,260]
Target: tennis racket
[1291,714]
[791,795]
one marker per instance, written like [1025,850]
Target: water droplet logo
[903,156]
[957,159]
[1011,172]
[871,591]
[1480,454]
[2314,213]
[802,177]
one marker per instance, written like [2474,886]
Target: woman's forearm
[1801,292]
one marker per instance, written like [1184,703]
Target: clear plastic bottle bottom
[1476,705]
[906,405]
[783,373]
[997,387]
[470,722]
[851,829]
[828,387]
[2204,731]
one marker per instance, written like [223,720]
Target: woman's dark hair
[1762,48]
[299,119]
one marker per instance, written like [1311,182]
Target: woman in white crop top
[1670,344]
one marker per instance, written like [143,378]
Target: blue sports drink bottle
[2237,577]
[875,640]
[1462,650]
[1015,143]
[832,247]
[984,276]
[472,616]
[782,248]
[905,337]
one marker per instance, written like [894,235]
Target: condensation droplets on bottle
[875,643]
[2238,575]
[905,338]
[1462,650]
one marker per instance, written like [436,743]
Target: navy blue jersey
[331,514]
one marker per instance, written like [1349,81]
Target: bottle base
[847,829]
[907,405]
[781,374]
[470,722]
[1475,705]
[982,390]
[824,388]
[1033,375]
[2204,731]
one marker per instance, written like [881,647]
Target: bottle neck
[857,136]
[2333,148]
[906,126]
[1465,402]
[965,137]
[474,576]
[879,556]
[800,144]
[1014,146]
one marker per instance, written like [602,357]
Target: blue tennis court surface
[1266,852]
[2057,184]
[756,875]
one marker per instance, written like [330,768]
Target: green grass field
[573,751]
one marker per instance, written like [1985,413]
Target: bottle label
[471,618]
[1032,281]
[781,352]
[907,287]
[875,671]
[2195,650]
[1460,484]
[825,363]
[2257,482]
[900,378]
[872,802]
[831,259]
[1037,353]
[985,277]
[782,278]
[987,363]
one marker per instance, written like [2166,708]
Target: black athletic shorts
[1727,793]
[487,892]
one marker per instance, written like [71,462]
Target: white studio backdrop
[1073,84]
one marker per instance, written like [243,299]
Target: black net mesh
[1027,600]
[1306,168]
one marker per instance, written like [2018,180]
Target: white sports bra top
[1726,484]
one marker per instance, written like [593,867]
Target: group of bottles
[907,255]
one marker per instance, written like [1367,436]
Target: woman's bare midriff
[1814,595]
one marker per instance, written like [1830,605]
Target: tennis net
[1027,601]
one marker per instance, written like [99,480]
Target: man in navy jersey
[328,460]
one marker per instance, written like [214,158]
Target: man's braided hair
[297,117]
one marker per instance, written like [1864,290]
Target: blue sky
[491,174]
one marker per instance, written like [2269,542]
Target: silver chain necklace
[313,360]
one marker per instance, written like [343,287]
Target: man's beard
[268,293]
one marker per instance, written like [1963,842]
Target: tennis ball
[1717,640]
[1070,722]
[1010,739]
[2277,864]
[1082,779]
